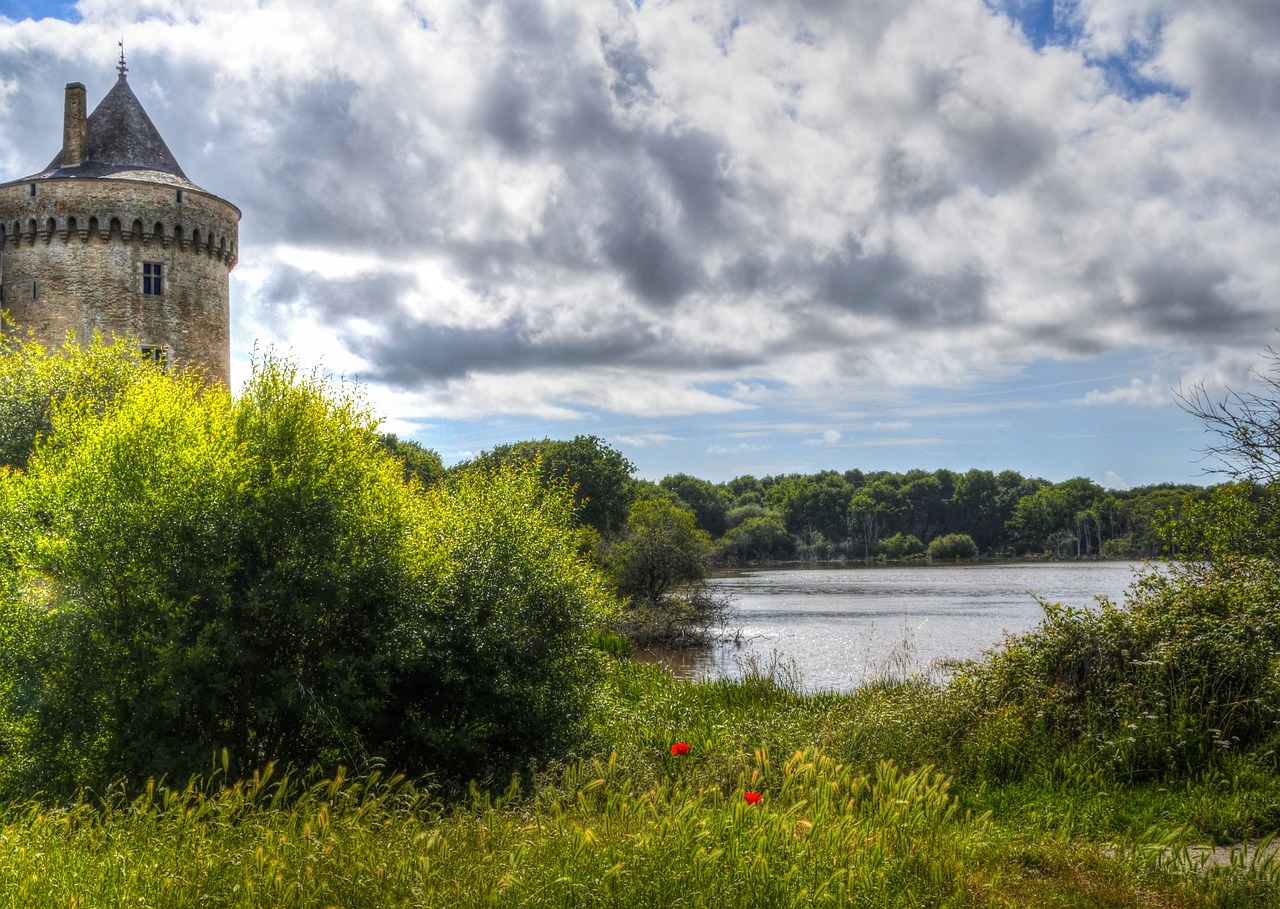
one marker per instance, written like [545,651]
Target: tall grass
[838,824]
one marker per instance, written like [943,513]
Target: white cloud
[740,448]
[565,209]
[645,439]
[829,437]
[1143,392]
[1113,480]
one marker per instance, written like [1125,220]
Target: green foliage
[898,547]
[816,503]
[870,510]
[658,567]
[1235,520]
[420,462]
[953,547]
[599,475]
[756,539]
[1187,673]
[33,381]
[661,548]
[708,502]
[498,665]
[184,572]
[636,825]
[740,513]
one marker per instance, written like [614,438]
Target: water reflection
[843,626]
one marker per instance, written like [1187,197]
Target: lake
[840,626]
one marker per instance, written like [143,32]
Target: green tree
[899,547]
[979,508]
[659,566]
[870,510]
[1056,516]
[660,549]
[1242,516]
[813,503]
[598,474]
[708,502]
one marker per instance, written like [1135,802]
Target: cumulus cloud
[554,207]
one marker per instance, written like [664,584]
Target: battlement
[110,228]
[121,211]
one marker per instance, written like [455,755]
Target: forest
[865,515]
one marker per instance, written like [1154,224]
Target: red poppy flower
[753,798]
[680,748]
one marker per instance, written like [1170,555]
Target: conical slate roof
[123,143]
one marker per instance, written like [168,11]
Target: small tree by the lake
[659,568]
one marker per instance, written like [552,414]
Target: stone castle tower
[113,237]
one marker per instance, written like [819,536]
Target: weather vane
[122,69]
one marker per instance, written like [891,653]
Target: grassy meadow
[866,800]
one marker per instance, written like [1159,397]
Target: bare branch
[1247,424]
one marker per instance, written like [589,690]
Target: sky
[755,237]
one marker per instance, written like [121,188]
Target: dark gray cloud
[886,284]
[1241,88]
[406,350]
[1179,296]
[1000,151]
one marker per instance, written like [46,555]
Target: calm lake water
[839,627]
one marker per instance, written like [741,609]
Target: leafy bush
[184,572]
[1187,672]
[953,547]
[757,539]
[899,546]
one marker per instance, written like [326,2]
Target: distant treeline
[882,514]
[858,514]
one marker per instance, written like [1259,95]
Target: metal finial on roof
[122,69]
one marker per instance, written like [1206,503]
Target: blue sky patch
[40,9]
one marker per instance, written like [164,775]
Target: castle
[113,237]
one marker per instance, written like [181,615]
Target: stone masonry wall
[72,257]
